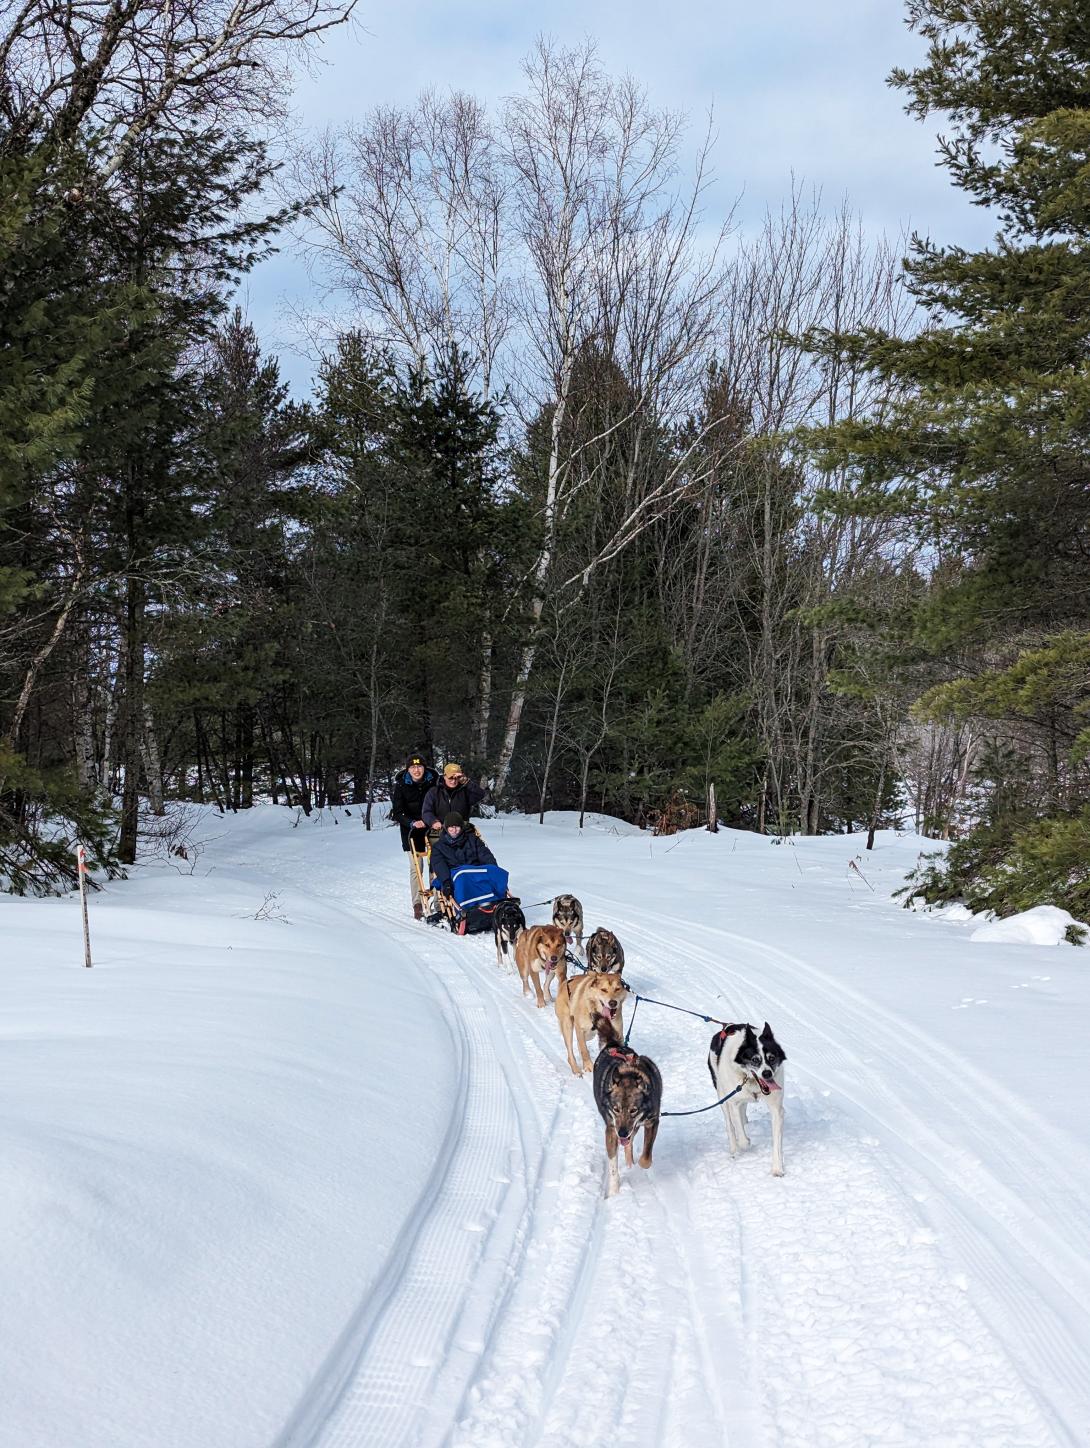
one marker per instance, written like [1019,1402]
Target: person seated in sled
[407,810]
[463,867]
[453,793]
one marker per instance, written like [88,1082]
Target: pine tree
[985,445]
[64,326]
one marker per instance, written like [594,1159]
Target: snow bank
[212,1143]
[1043,925]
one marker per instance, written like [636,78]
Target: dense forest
[602,495]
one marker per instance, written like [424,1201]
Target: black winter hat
[454,818]
[416,759]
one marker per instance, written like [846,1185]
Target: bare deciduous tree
[613,266]
[121,67]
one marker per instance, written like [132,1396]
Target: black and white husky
[738,1056]
[508,923]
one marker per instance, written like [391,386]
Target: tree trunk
[36,666]
[197,752]
[877,805]
[114,706]
[583,783]
[372,762]
[713,814]
[83,724]
[541,573]
[153,766]
[132,737]
[484,697]
[246,750]
[224,762]
[204,749]
[549,750]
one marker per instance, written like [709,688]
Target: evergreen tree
[64,325]
[985,447]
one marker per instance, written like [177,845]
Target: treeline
[605,502]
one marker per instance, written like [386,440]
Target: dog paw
[776,1172]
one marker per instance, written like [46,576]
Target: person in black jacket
[454,793]
[455,847]
[407,810]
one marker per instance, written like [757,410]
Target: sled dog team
[627,1085]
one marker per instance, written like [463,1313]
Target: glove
[448,889]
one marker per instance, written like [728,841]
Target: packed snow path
[896,1287]
[919,1276]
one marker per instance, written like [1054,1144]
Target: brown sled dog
[628,1095]
[538,949]
[578,1002]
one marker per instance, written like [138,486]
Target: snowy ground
[323,1179]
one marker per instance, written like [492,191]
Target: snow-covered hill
[324,1178]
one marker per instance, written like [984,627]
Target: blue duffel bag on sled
[478,884]
[476,890]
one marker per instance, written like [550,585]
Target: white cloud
[797,89]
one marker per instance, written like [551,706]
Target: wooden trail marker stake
[81,858]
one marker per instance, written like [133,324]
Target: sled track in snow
[496,1323]
[1022,1250]
[496,1320]
[404,1354]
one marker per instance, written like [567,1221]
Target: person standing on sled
[455,847]
[453,793]
[407,810]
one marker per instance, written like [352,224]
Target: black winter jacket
[448,855]
[407,804]
[442,801]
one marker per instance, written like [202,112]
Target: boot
[418,911]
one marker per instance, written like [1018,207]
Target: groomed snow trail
[893,1288]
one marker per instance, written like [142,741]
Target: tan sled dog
[538,949]
[578,1002]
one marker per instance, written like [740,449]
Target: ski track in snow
[710,1302]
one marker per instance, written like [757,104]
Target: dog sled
[477,889]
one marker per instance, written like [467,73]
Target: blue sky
[797,86]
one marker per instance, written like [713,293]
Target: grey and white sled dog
[604,952]
[568,917]
[738,1056]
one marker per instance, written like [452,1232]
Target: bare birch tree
[613,264]
[411,229]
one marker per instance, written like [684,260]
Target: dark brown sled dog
[628,1095]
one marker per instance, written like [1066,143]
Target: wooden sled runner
[433,901]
